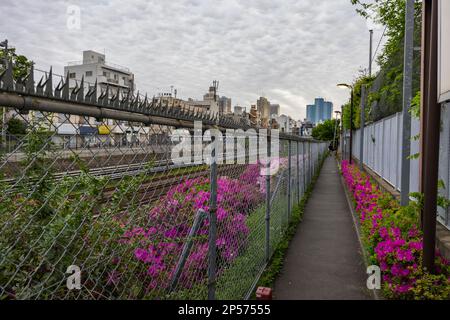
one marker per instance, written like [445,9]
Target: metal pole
[342,140]
[310,162]
[334,136]
[351,129]
[361,129]
[289,179]
[298,171]
[407,96]
[370,53]
[304,166]
[212,257]
[268,200]
[430,124]
[199,216]
[4,108]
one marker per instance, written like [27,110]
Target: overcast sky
[290,51]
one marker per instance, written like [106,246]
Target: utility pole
[335,131]
[361,127]
[351,128]
[342,142]
[407,96]
[370,52]
[429,131]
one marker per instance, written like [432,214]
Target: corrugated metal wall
[382,153]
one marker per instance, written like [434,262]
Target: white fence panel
[414,163]
[383,148]
[444,151]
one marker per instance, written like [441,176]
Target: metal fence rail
[108,201]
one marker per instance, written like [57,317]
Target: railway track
[149,191]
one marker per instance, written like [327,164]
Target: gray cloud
[289,50]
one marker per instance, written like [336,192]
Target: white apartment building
[94,68]
[285,123]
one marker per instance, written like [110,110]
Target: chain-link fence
[93,205]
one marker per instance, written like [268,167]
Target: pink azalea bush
[159,244]
[393,240]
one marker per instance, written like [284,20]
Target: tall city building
[311,113]
[320,111]
[238,110]
[225,105]
[275,109]
[263,109]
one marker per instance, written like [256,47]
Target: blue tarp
[88,130]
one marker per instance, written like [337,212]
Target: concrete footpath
[324,259]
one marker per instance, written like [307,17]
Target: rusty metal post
[429,134]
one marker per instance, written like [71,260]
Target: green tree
[386,90]
[363,80]
[325,131]
[20,70]
[16,127]
[20,62]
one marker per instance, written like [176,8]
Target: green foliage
[386,91]
[393,240]
[325,131]
[414,110]
[54,224]
[361,81]
[431,287]
[16,127]
[21,63]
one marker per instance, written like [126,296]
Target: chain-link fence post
[268,200]
[310,164]
[289,180]
[298,173]
[212,250]
[304,167]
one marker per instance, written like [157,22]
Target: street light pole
[351,129]
[362,125]
[344,85]
[335,130]
[370,52]
[407,96]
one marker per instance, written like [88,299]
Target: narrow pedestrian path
[324,259]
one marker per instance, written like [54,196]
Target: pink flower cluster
[393,240]
[159,244]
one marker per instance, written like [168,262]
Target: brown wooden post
[430,130]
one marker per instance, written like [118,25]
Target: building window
[106,74]
[72,75]
[88,73]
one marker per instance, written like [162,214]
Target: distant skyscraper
[238,110]
[224,105]
[263,108]
[275,109]
[311,113]
[320,111]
